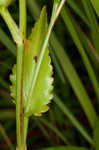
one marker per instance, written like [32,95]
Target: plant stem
[26,120]
[19,37]
[22,19]
[19,107]
[20,50]
[11,25]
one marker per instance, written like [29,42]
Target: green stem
[19,107]
[19,37]
[20,49]
[26,120]
[11,25]
[19,104]
[22,19]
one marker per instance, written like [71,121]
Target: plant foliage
[42,93]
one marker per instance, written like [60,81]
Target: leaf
[96,135]
[65,148]
[90,71]
[73,120]
[42,93]
[13,81]
[73,78]
[5,3]
[95,4]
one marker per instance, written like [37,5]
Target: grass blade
[7,42]
[54,129]
[70,116]
[68,22]
[93,23]
[74,80]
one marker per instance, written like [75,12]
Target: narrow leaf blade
[95,4]
[96,135]
[65,148]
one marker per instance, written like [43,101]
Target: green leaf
[55,130]
[7,42]
[42,92]
[13,81]
[74,80]
[73,120]
[69,22]
[95,4]
[65,148]
[5,3]
[96,135]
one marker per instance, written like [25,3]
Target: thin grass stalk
[74,80]
[68,22]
